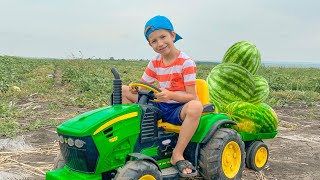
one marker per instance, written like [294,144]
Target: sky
[285,30]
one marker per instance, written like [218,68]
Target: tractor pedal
[170,173]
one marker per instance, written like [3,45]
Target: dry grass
[12,161]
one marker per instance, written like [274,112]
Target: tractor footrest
[170,173]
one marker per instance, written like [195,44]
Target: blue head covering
[156,23]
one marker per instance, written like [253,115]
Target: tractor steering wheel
[147,86]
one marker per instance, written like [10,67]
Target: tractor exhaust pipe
[117,88]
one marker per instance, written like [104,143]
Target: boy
[176,74]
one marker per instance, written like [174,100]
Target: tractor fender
[214,129]
[139,156]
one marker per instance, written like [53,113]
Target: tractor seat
[203,96]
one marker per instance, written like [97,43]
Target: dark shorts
[170,111]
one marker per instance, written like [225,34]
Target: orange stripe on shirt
[150,73]
[169,77]
[189,70]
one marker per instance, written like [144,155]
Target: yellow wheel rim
[231,159]
[261,157]
[147,177]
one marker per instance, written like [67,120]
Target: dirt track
[294,153]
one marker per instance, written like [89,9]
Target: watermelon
[270,118]
[245,54]
[252,118]
[261,91]
[246,115]
[229,82]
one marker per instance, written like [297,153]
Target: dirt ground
[294,153]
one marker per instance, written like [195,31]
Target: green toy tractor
[129,141]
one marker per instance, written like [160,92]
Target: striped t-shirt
[174,77]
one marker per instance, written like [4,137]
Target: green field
[34,93]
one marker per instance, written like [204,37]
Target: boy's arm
[166,95]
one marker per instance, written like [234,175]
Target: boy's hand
[134,90]
[164,95]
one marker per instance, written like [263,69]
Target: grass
[33,92]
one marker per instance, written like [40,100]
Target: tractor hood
[89,122]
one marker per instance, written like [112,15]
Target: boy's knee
[194,104]
[195,108]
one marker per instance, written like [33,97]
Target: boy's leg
[127,96]
[190,114]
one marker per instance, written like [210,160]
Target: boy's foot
[185,168]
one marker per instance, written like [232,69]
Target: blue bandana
[156,23]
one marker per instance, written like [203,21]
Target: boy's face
[162,41]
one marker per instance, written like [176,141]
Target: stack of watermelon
[236,90]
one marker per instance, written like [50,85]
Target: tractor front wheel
[223,156]
[139,170]
[59,161]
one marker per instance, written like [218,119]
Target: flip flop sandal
[184,164]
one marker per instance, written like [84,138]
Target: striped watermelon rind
[252,118]
[270,117]
[247,126]
[229,82]
[246,115]
[245,54]
[261,92]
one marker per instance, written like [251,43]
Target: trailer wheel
[257,155]
[139,170]
[223,156]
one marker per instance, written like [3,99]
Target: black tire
[257,155]
[59,161]
[215,160]
[138,170]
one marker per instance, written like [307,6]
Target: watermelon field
[38,94]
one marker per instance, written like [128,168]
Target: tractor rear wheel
[257,155]
[138,170]
[223,156]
